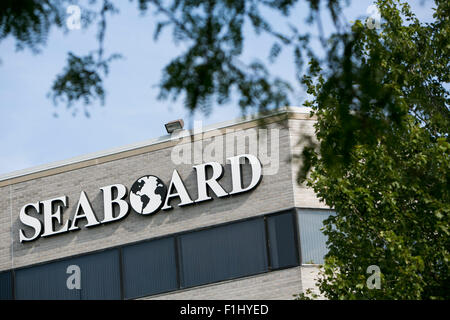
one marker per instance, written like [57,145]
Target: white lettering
[108,202]
[181,192]
[203,183]
[50,216]
[237,174]
[30,221]
[88,214]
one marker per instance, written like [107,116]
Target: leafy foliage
[81,80]
[208,72]
[383,120]
[29,21]
[210,68]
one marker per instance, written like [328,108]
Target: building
[170,218]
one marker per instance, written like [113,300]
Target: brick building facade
[259,244]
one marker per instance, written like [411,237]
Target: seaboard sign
[147,196]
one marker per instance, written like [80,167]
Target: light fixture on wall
[174,125]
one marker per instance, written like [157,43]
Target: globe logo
[147,194]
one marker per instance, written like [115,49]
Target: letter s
[30,221]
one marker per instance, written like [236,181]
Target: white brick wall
[274,193]
[5,229]
[299,131]
[275,285]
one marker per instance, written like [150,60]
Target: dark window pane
[312,240]
[283,251]
[99,278]
[5,285]
[149,268]
[45,282]
[223,252]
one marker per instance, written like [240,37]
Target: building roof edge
[166,138]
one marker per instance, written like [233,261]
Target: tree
[383,157]
[208,71]
[381,101]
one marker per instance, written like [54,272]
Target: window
[99,278]
[192,258]
[223,252]
[312,240]
[149,268]
[5,285]
[283,251]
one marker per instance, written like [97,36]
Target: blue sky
[31,135]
